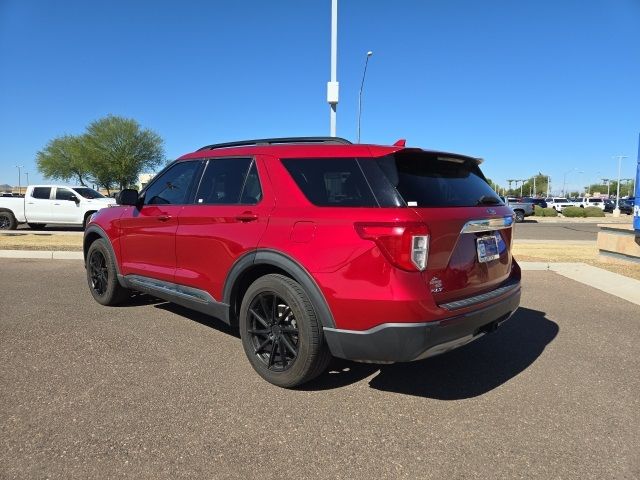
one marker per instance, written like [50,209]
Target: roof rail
[275,141]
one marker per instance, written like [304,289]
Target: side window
[331,182]
[63,194]
[252,191]
[173,186]
[223,181]
[42,193]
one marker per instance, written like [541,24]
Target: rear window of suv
[425,179]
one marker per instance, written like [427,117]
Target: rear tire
[7,221]
[102,275]
[519,216]
[36,226]
[281,335]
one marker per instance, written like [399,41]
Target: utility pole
[19,178]
[616,211]
[333,86]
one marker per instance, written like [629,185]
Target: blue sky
[530,86]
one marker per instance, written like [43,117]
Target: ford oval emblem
[491,211]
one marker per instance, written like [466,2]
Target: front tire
[102,275]
[281,335]
[7,221]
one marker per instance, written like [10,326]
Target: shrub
[538,211]
[593,212]
[573,212]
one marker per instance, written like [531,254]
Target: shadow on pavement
[201,318]
[466,372]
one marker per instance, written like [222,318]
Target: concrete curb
[42,254]
[612,283]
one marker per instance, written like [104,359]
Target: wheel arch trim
[287,264]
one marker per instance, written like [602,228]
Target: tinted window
[223,180]
[41,192]
[63,194]
[252,192]
[89,193]
[335,182]
[432,180]
[173,186]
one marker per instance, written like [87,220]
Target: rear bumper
[405,342]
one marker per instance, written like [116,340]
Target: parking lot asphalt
[556,231]
[152,390]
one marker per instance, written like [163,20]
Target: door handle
[164,218]
[247,217]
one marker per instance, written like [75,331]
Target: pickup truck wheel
[102,275]
[36,226]
[519,216]
[281,335]
[7,221]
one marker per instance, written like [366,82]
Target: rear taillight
[405,245]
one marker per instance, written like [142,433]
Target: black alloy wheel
[102,275]
[273,331]
[7,221]
[98,273]
[281,334]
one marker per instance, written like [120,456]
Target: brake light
[405,245]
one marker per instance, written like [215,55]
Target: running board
[189,297]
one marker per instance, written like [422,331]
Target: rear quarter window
[331,182]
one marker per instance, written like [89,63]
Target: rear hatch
[470,228]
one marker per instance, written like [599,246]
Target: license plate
[487,248]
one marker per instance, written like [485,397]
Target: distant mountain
[5,187]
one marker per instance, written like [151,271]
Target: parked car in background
[558,203]
[314,247]
[541,202]
[51,204]
[520,209]
[592,202]
[609,205]
[626,205]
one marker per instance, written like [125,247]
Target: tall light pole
[548,186]
[27,174]
[366,62]
[564,181]
[333,86]
[608,182]
[19,178]
[616,211]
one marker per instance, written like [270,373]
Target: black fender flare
[287,264]
[91,232]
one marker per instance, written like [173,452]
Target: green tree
[118,150]
[64,158]
[112,152]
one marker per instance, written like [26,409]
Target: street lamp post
[27,175]
[366,62]
[19,178]
[564,181]
[333,86]
[616,211]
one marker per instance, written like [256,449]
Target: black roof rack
[276,141]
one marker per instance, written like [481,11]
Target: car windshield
[560,200]
[89,193]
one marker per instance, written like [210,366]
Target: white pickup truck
[44,204]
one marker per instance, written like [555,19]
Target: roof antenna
[400,143]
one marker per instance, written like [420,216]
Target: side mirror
[128,196]
[73,198]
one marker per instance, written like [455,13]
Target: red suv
[316,247]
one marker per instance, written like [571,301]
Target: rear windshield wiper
[486,200]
